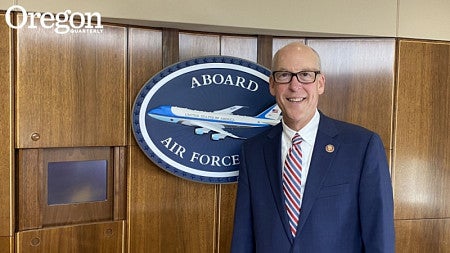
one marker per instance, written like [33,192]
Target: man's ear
[321,84]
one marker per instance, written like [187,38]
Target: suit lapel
[272,154]
[320,164]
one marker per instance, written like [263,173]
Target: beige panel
[424,19]
[320,16]
[359,82]
[71,88]
[97,237]
[430,235]
[421,159]
[6,132]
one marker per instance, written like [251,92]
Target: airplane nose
[161,110]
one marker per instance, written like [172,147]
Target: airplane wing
[214,127]
[229,110]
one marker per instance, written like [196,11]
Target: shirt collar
[308,132]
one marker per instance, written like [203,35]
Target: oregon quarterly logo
[192,117]
[62,22]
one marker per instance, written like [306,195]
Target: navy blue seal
[192,117]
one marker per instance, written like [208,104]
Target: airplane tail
[273,112]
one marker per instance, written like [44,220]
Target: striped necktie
[291,182]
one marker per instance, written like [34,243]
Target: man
[329,191]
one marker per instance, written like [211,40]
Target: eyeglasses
[304,77]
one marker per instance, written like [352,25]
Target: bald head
[295,49]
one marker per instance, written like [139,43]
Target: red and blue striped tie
[292,173]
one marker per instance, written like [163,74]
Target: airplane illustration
[216,121]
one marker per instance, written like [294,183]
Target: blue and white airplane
[216,121]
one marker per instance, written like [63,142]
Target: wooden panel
[246,50]
[29,187]
[71,88]
[166,213]
[120,184]
[145,60]
[429,235]
[6,131]
[359,82]
[265,47]
[422,161]
[6,244]
[170,46]
[33,210]
[99,238]
[196,45]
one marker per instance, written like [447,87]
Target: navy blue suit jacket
[347,204]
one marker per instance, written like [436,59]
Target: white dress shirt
[308,134]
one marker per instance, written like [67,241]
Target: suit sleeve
[376,200]
[242,240]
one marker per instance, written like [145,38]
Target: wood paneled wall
[6,139]
[78,90]
[105,237]
[71,88]
[421,168]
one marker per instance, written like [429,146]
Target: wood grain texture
[6,244]
[96,237]
[33,210]
[422,139]
[170,46]
[166,213]
[120,184]
[239,46]
[145,60]
[359,82]
[265,47]
[196,45]
[423,236]
[71,88]
[29,187]
[6,131]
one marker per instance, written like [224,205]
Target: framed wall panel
[145,60]
[69,186]
[105,237]
[421,159]
[71,88]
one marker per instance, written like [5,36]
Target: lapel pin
[329,148]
